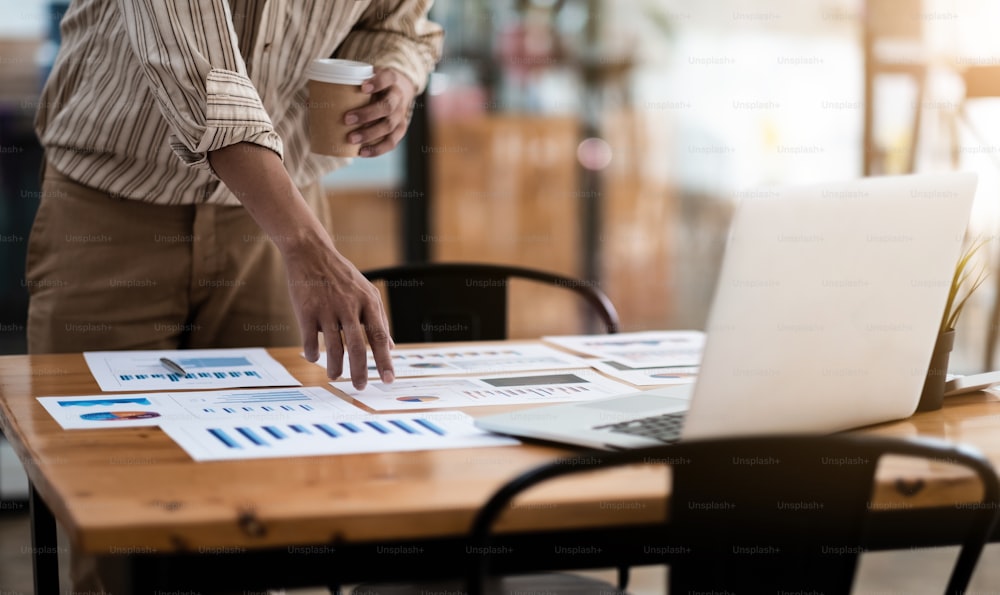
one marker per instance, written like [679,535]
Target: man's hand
[329,294]
[382,123]
[332,297]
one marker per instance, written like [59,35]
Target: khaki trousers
[110,274]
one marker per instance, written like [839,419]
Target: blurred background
[609,140]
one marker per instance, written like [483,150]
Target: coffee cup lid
[345,72]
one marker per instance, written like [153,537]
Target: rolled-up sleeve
[189,53]
[396,34]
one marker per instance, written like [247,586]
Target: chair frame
[744,520]
[457,283]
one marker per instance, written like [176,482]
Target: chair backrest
[771,514]
[467,302]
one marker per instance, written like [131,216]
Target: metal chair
[772,514]
[440,302]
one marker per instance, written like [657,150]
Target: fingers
[382,123]
[334,351]
[382,106]
[383,79]
[391,94]
[385,145]
[374,132]
[357,354]
[381,344]
[347,309]
[310,344]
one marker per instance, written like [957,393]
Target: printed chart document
[506,389]
[649,376]
[330,435]
[154,409]
[647,349]
[204,369]
[471,359]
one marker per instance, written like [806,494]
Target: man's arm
[329,294]
[190,56]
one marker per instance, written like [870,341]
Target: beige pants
[111,274]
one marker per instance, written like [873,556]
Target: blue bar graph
[275,432]
[402,426]
[339,433]
[432,427]
[213,362]
[224,438]
[249,435]
[327,430]
[377,426]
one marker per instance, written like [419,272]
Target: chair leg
[623,576]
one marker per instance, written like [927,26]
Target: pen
[172,366]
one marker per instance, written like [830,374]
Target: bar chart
[203,369]
[330,435]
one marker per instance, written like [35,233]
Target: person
[174,132]
[181,205]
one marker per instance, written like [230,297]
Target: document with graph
[482,358]
[648,376]
[202,369]
[644,349]
[154,409]
[500,389]
[315,435]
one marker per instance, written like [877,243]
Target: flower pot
[933,393]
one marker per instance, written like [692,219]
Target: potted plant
[964,282]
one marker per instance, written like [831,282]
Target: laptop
[825,314]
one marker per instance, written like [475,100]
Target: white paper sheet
[315,435]
[154,409]
[471,359]
[649,376]
[645,349]
[505,389]
[206,369]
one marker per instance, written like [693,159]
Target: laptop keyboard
[665,428]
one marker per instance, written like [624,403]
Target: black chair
[441,302]
[772,514]
[752,515]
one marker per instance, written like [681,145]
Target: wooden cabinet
[637,246]
[506,190]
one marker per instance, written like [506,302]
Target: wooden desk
[133,491]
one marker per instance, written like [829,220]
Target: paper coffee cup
[334,89]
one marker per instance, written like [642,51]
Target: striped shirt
[143,90]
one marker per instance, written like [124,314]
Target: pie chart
[426,399]
[673,375]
